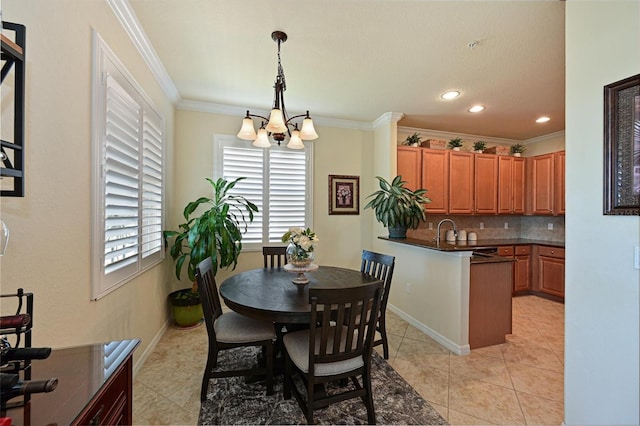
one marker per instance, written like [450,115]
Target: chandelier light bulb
[308,132]
[276,122]
[247,132]
[295,142]
[262,141]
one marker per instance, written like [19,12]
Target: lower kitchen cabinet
[550,271]
[521,267]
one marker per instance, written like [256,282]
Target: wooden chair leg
[286,389]
[269,367]
[366,383]
[205,379]
[310,401]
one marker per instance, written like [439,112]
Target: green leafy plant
[216,233]
[517,148]
[413,139]
[455,143]
[479,146]
[397,206]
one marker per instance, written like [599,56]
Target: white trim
[388,117]
[453,347]
[437,134]
[142,358]
[555,135]
[129,21]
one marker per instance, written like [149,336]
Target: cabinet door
[435,179]
[409,166]
[542,181]
[518,179]
[461,173]
[522,270]
[558,205]
[551,275]
[486,184]
[505,185]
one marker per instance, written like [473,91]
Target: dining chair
[381,267]
[231,330]
[336,346]
[274,256]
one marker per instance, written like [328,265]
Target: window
[127,176]
[278,181]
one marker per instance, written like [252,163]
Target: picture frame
[622,147]
[344,194]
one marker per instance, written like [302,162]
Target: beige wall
[602,315]
[49,250]
[337,151]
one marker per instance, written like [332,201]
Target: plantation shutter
[128,176]
[278,182]
[115,353]
[121,181]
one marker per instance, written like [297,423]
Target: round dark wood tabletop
[270,294]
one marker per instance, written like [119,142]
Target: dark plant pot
[186,308]
[397,232]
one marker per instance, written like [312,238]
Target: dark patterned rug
[232,401]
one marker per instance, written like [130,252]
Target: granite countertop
[470,246]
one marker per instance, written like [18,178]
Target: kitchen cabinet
[461,175]
[550,270]
[521,267]
[559,176]
[435,178]
[511,185]
[545,178]
[409,166]
[485,184]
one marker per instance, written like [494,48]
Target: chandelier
[278,125]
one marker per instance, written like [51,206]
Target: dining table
[270,293]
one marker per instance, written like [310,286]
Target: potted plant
[413,140]
[479,146]
[517,149]
[215,233]
[397,207]
[455,144]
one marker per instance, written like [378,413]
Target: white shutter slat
[152,190]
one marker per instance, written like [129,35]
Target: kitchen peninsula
[432,284]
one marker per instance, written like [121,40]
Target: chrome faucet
[455,230]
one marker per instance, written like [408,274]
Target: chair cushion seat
[297,345]
[232,327]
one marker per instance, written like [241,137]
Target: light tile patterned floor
[517,383]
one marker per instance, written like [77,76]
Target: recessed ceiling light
[476,108]
[542,120]
[452,94]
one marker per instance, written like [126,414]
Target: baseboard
[453,347]
[154,342]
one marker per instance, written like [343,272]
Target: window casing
[128,176]
[278,181]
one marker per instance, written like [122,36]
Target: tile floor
[517,383]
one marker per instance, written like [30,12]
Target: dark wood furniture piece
[269,294]
[380,266]
[490,288]
[231,330]
[91,390]
[274,257]
[328,352]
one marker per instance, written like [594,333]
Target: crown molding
[560,134]
[127,17]
[386,118]
[210,107]
[437,134]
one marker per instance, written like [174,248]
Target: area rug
[233,401]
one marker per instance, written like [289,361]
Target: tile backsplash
[493,227]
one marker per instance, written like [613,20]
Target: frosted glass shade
[276,122]
[295,142]
[308,133]
[247,132]
[262,141]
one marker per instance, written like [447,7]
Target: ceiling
[356,60]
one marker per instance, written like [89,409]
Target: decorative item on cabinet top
[498,150]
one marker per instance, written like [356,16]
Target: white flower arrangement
[304,240]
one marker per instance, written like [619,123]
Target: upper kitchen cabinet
[486,184]
[545,177]
[409,159]
[461,179]
[435,179]
[511,178]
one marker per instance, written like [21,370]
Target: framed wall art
[622,147]
[344,194]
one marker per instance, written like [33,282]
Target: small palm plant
[479,146]
[517,148]
[455,143]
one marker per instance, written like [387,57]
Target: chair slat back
[274,256]
[211,307]
[350,307]
[381,267]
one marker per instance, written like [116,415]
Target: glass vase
[299,257]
